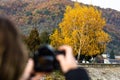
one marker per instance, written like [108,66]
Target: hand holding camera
[67,62]
[47,59]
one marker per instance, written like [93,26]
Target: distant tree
[46,12]
[33,40]
[38,11]
[44,37]
[112,55]
[28,13]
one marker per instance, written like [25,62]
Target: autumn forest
[48,21]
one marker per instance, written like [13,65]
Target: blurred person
[14,61]
[13,54]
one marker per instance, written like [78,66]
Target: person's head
[13,55]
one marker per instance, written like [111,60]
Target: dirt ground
[104,73]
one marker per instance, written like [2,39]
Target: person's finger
[28,70]
[29,66]
[68,50]
[39,76]
[60,58]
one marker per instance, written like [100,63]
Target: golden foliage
[82,28]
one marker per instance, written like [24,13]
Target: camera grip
[59,52]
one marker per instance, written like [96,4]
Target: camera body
[45,59]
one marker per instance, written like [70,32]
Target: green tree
[44,37]
[112,55]
[33,40]
[28,13]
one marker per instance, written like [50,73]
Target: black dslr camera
[45,59]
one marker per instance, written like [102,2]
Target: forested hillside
[45,15]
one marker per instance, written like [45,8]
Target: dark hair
[13,54]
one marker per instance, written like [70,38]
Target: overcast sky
[114,4]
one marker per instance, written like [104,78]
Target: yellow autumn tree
[82,28]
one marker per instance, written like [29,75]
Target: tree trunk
[78,57]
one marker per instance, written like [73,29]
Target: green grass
[56,75]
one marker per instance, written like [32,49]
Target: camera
[45,59]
